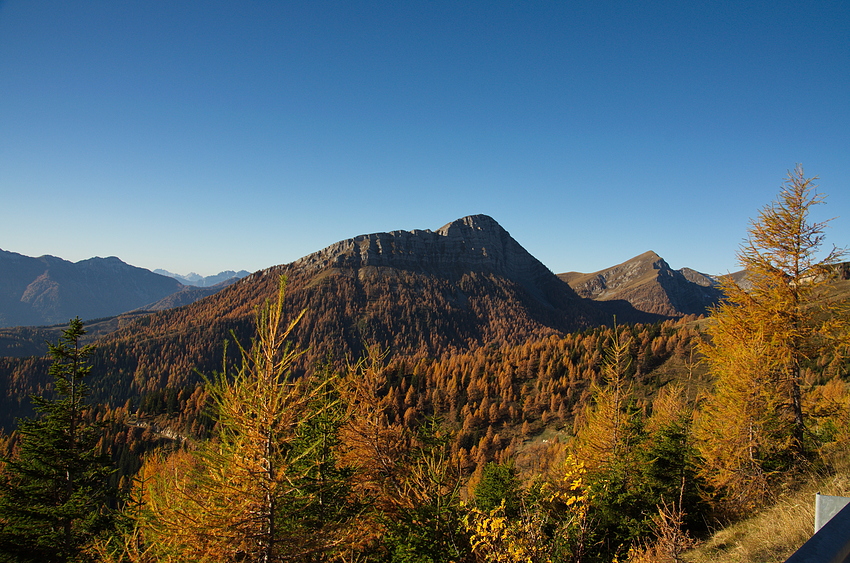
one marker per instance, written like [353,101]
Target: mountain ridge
[197,280]
[48,290]
[642,289]
[471,242]
[649,284]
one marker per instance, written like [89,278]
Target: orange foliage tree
[772,329]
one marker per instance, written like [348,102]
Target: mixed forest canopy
[421,439]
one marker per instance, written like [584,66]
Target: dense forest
[628,442]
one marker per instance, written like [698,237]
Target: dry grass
[774,533]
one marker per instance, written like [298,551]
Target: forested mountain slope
[452,397]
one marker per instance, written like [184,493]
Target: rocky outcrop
[649,284]
[474,243]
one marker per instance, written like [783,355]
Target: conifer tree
[499,485]
[605,434]
[407,477]
[55,488]
[770,329]
[265,488]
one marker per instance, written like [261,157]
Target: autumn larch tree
[253,492]
[605,435]
[772,326]
[406,477]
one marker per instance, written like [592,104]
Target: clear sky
[211,135]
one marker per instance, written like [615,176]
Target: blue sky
[211,135]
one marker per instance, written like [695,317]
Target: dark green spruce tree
[54,489]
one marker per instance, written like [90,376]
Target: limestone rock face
[698,278]
[473,243]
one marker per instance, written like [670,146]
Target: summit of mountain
[648,284]
[468,282]
[472,243]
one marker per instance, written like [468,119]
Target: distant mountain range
[198,280]
[188,294]
[49,290]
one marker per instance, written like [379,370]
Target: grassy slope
[775,532]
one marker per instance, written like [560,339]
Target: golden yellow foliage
[497,539]
[224,501]
[762,338]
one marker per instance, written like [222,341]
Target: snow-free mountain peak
[649,284]
[476,242]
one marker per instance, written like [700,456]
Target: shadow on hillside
[623,312]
